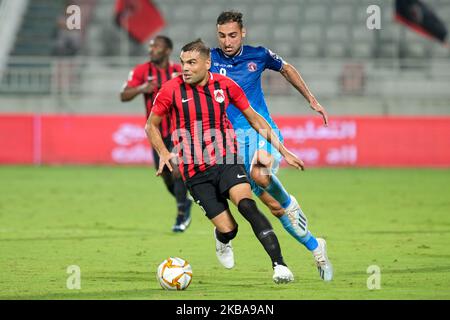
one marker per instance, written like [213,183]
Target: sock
[226,237]
[262,229]
[277,191]
[168,181]
[309,241]
[180,193]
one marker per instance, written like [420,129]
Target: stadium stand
[320,37]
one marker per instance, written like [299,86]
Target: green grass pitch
[115,224]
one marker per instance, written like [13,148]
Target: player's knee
[249,210]
[260,176]
[228,236]
[264,159]
[247,207]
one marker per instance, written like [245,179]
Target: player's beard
[157,60]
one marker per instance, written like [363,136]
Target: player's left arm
[291,74]
[260,124]
[264,129]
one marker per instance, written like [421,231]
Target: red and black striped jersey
[148,72]
[203,135]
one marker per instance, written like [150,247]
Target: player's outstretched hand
[316,106]
[164,160]
[294,161]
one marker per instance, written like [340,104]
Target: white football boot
[297,218]
[322,262]
[224,253]
[282,274]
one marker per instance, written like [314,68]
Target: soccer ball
[174,274]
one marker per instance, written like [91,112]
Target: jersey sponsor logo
[252,67]
[150,78]
[185,100]
[223,65]
[241,176]
[219,96]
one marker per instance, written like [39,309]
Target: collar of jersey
[211,77]
[236,55]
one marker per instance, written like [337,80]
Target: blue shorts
[249,141]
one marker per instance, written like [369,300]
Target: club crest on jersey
[219,96]
[252,66]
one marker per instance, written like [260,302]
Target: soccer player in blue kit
[245,64]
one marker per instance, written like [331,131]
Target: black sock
[180,193]
[263,230]
[226,237]
[168,181]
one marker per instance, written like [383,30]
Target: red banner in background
[17,139]
[140,18]
[117,139]
[369,141]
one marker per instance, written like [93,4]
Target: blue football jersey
[245,68]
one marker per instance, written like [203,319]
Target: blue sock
[308,241]
[277,191]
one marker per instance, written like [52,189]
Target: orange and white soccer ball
[174,274]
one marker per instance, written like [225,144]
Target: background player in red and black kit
[147,79]
[207,151]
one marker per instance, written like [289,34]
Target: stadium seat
[391,32]
[336,49]
[285,49]
[262,13]
[316,13]
[285,32]
[207,32]
[338,32]
[361,34]
[342,13]
[311,32]
[361,50]
[210,13]
[177,32]
[185,13]
[309,49]
[290,13]
[416,50]
[259,34]
[387,50]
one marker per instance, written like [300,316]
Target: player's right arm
[161,107]
[136,85]
[129,93]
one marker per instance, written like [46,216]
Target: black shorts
[168,143]
[210,188]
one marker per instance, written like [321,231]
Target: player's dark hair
[167,41]
[230,16]
[197,45]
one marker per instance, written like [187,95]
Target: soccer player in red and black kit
[147,79]
[207,151]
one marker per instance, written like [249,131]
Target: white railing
[105,75]
[93,83]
